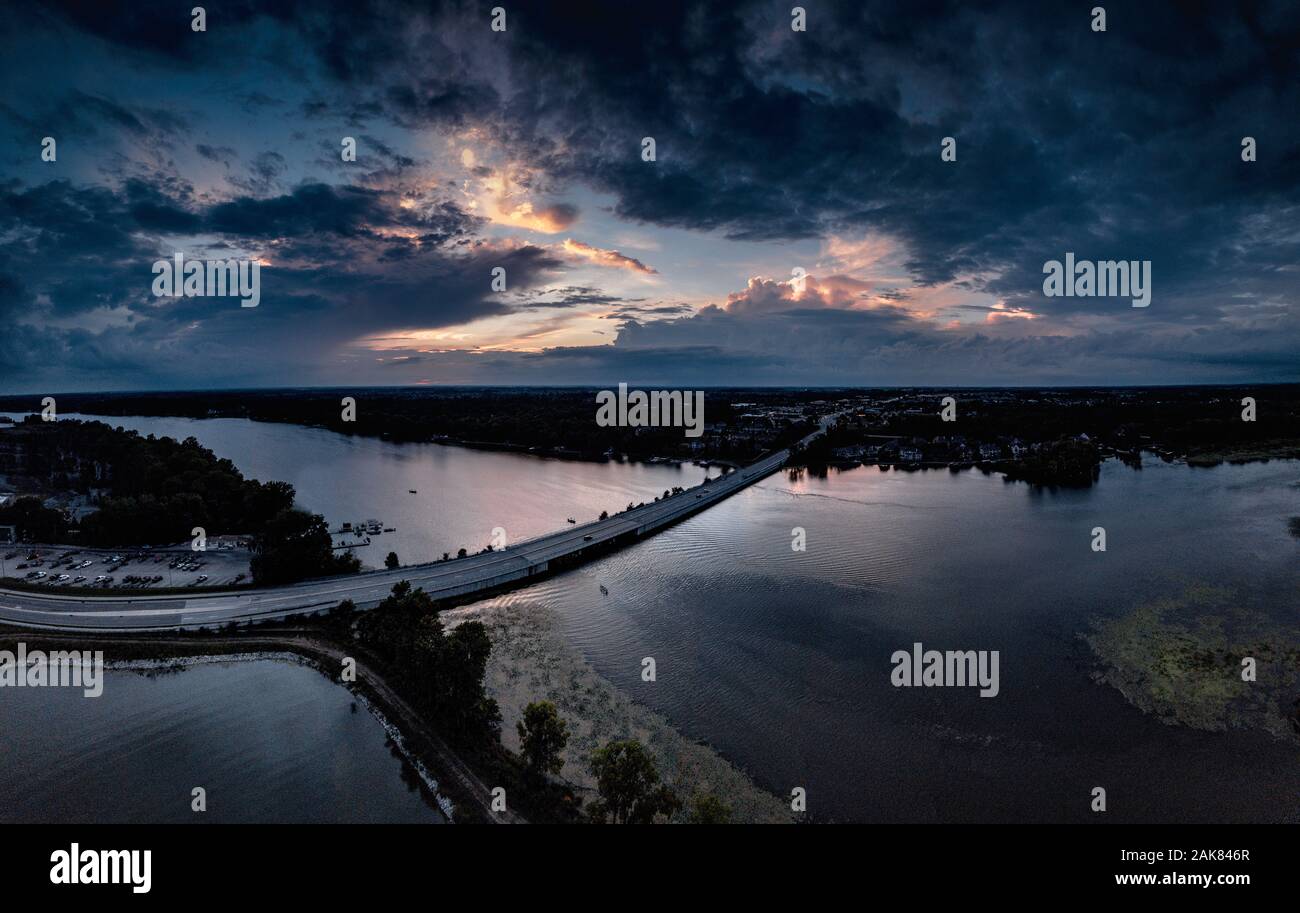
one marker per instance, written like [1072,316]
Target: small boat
[412,491]
[571,520]
[604,591]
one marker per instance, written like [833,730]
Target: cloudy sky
[776,151]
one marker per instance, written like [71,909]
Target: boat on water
[603,590]
[412,491]
[571,520]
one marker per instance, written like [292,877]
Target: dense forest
[1202,424]
[551,420]
[441,672]
[149,490]
[1060,436]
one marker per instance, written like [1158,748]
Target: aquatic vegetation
[1182,661]
[532,661]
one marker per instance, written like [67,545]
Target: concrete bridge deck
[441,580]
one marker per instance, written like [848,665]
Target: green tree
[391,561]
[628,784]
[297,546]
[34,521]
[707,808]
[442,672]
[542,737]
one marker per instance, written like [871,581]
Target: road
[441,580]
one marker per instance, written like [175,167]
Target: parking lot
[57,566]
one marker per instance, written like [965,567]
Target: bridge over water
[488,571]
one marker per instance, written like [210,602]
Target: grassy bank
[532,661]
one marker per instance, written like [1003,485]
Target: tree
[297,546]
[391,561]
[628,784]
[463,698]
[707,808]
[441,672]
[35,521]
[542,737]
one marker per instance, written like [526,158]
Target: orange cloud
[548,219]
[1000,312]
[606,257]
[504,201]
[763,295]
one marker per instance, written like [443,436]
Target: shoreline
[459,792]
[430,783]
[532,661]
[574,456]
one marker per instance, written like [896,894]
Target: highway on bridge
[441,580]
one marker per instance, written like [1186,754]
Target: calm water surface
[268,740]
[461,494]
[781,659]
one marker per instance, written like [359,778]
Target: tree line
[155,490]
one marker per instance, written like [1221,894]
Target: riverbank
[459,792]
[531,661]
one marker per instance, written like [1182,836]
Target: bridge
[484,572]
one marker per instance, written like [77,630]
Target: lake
[268,741]
[461,496]
[781,659]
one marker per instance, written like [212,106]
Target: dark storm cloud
[94,123]
[1119,143]
[1123,144]
[308,209]
[77,252]
[1065,136]
[1112,143]
[567,297]
[221,154]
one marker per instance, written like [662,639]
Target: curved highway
[441,580]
